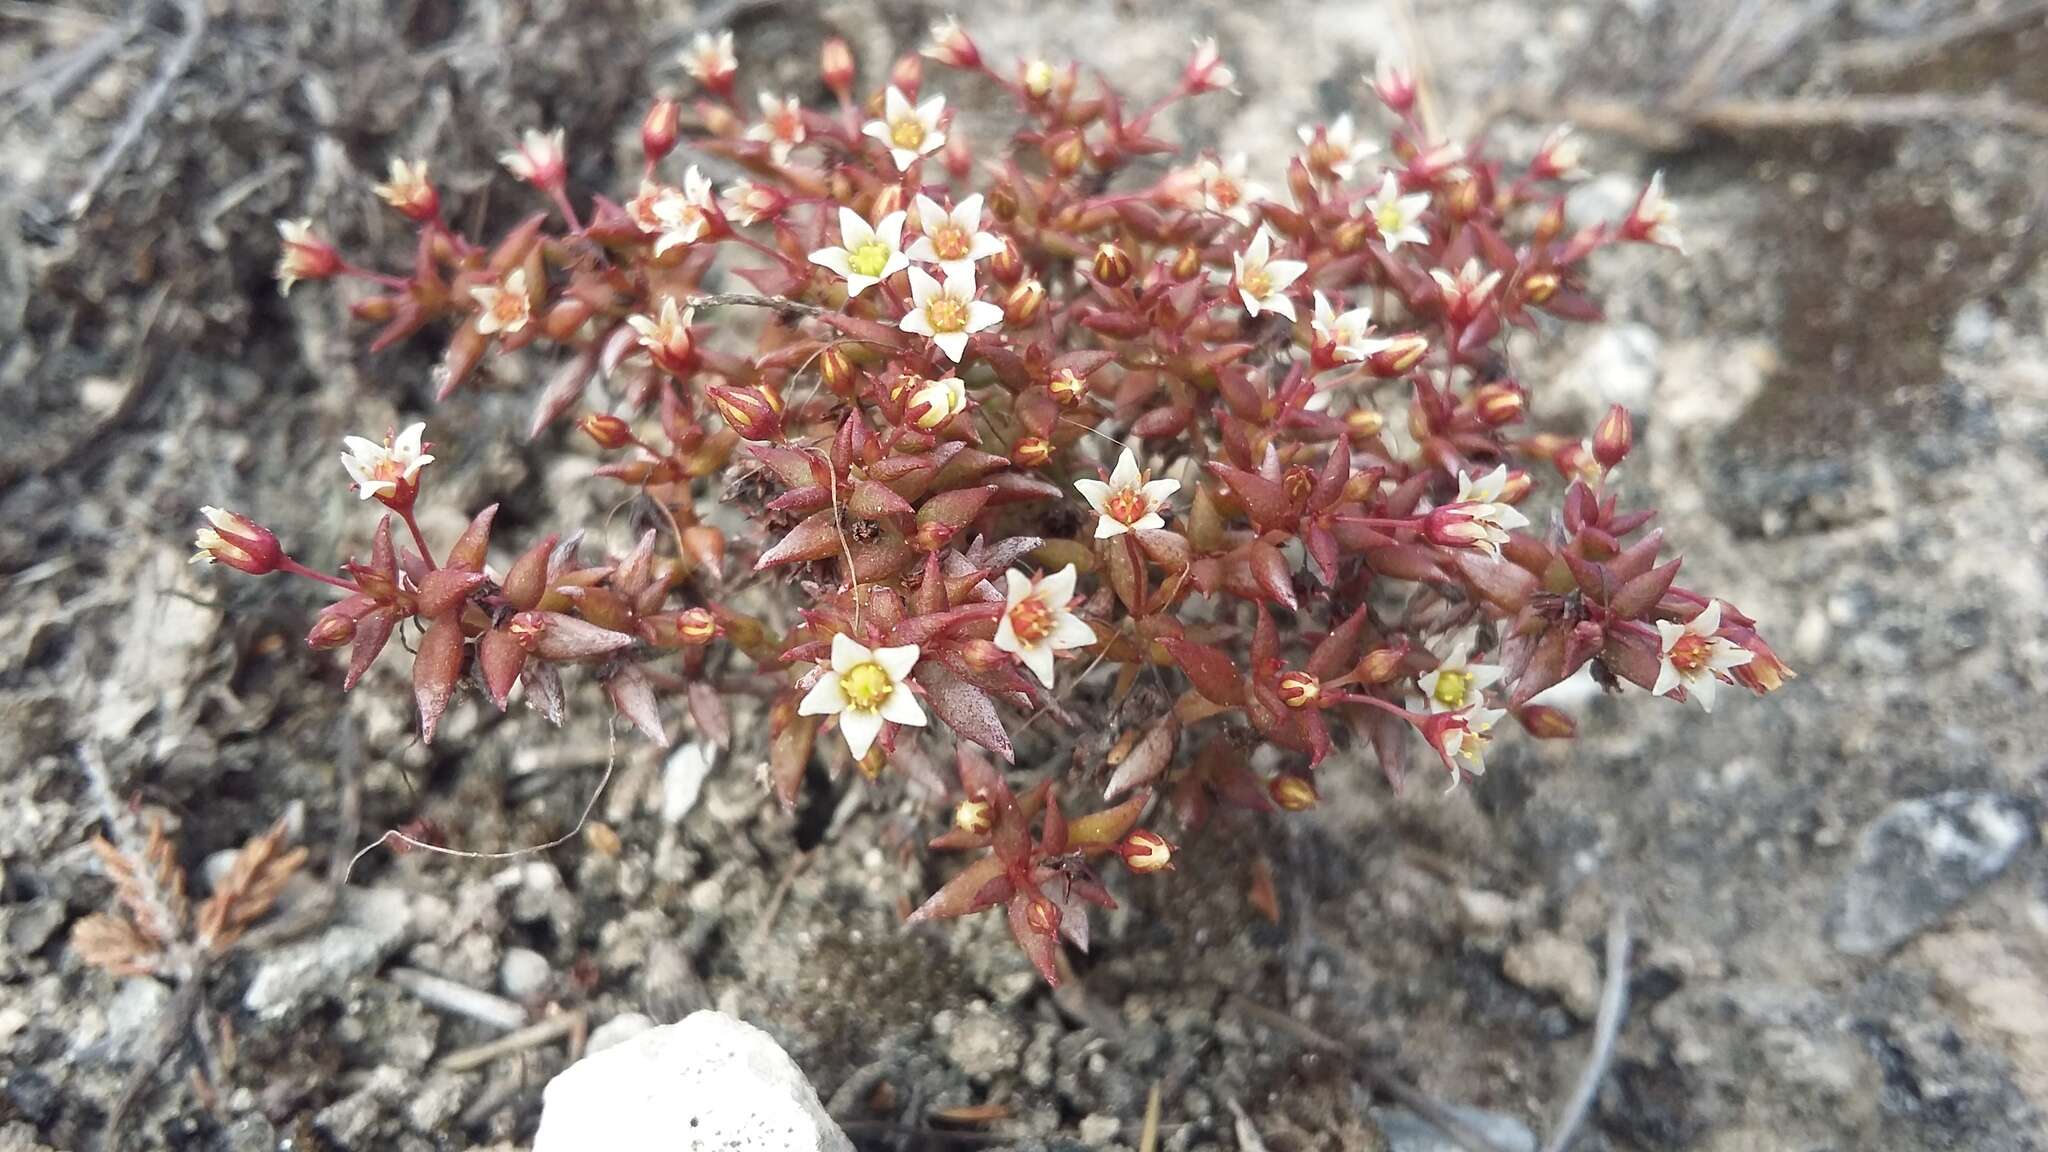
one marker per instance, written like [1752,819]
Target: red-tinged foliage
[995,427]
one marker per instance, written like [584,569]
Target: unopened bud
[1364,423]
[1351,235]
[838,372]
[1293,793]
[1187,263]
[1539,287]
[1066,153]
[975,817]
[1038,79]
[1382,664]
[1516,488]
[952,46]
[1395,86]
[1031,452]
[719,120]
[1207,72]
[1002,201]
[1300,689]
[306,256]
[1499,404]
[1043,916]
[1613,438]
[330,631]
[1068,388]
[1462,201]
[1550,225]
[697,626]
[1401,353]
[1576,461]
[608,430]
[1021,305]
[235,540]
[908,74]
[888,200]
[1112,264]
[1007,266]
[984,656]
[1146,851]
[1547,723]
[658,129]
[835,66]
[749,412]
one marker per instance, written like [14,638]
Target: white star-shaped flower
[1696,657]
[868,253]
[538,159]
[908,130]
[1398,217]
[1456,683]
[948,312]
[1128,502]
[1036,623]
[865,688]
[1262,281]
[952,240]
[1347,334]
[505,307]
[710,59]
[666,336]
[381,470]
[1460,739]
[1336,146]
[1226,191]
[1655,218]
[781,126]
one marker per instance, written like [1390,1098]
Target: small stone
[711,1083]
[1098,1130]
[1918,861]
[1485,913]
[618,1030]
[524,973]
[682,778]
[372,923]
[1407,1132]
[982,1043]
[132,1015]
[1550,963]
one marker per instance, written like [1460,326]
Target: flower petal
[824,698]
[860,726]
[902,708]
[848,653]
[898,661]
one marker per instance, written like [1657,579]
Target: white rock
[618,1030]
[523,973]
[711,1083]
[682,779]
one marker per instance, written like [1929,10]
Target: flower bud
[1068,388]
[305,257]
[1394,85]
[1002,201]
[1550,225]
[749,412]
[238,542]
[1517,487]
[1112,264]
[952,46]
[1401,353]
[1022,304]
[1300,689]
[719,120]
[1765,672]
[1539,287]
[1576,461]
[1499,404]
[1146,851]
[837,370]
[608,430]
[836,67]
[1547,723]
[1031,452]
[332,630]
[1043,916]
[1066,153]
[658,129]
[1293,793]
[975,817]
[1462,200]
[410,192]
[697,626]
[1038,79]
[1007,266]
[1187,263]
[1206,71]
[908,74]
[1382,664]
[937,401]
[1364,423]
[984,656]
[1351,235]
[1613,438]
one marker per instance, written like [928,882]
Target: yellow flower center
[951,242]
[1690,653]
[1256,282]
[1451,688]
[946,314]
[1127,505]
[1390,218]
[869,259]
[1225,193]
[509,310]
[907,133]
[866,685]
[1031,620]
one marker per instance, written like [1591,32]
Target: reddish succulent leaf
[566,637]
[372,632]
[444,589]
[544,691]
[502,658]
[707,708]
[957,897]
[1148,760]
[872,500]
[1103,830]
[467,553]
[1642,593]
[789,750]
[1270,569]
[1212,672]
[1505,585]
[1264,499]
[633,696]
[955,509]
[813,539]
[967,710]
[435,669]
[1338,651]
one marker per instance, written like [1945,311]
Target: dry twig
[145,108]
[1606,1027]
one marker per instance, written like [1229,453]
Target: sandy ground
[1840,915]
